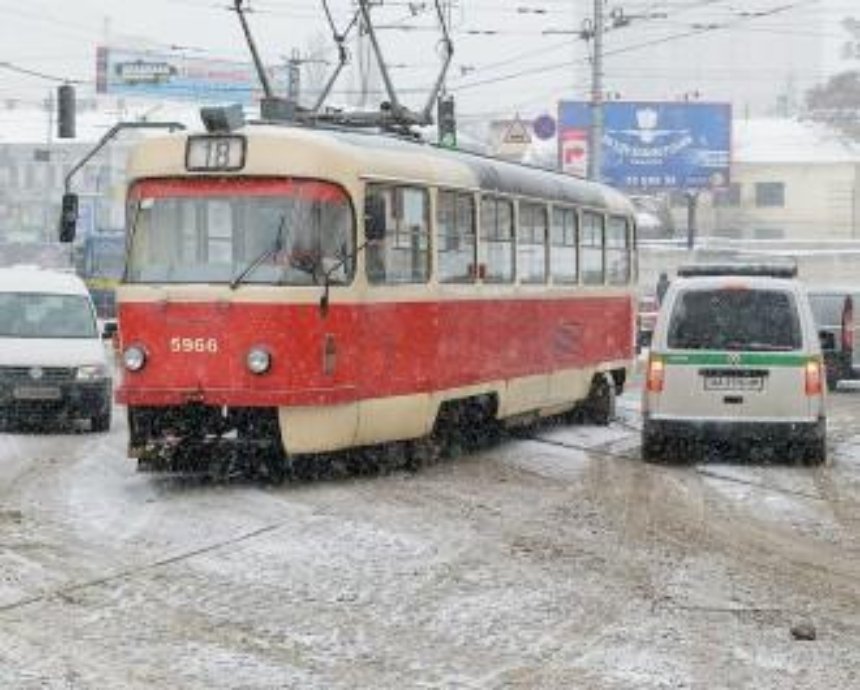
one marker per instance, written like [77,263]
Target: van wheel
[599,406]
[653,446]
[101,423]
[814,451]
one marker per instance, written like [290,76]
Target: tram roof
[383,156]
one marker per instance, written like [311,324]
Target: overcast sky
[509,55]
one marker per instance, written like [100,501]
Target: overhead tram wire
[631,48]
[686,7]
[11,67]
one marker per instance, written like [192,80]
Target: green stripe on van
[745,359]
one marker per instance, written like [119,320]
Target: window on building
[531,243]
[617,251]
[455,222]
[768,233]
[769,194]
[562,255]
[497,233]
[728,197]
[403,256]
[592,248]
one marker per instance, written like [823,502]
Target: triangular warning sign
[517,133]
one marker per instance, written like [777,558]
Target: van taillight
[848,325]
[813,377]
[656,371]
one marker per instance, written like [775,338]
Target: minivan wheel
[653,446]
[101,422]
[814,451]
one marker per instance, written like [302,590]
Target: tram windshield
[211,231]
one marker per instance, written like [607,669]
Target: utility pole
[294,78]
[595,157]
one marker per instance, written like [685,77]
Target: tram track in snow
[605,450]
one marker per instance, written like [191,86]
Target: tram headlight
[258,360]
[134,358]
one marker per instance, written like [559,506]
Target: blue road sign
[648,145]
[544,127]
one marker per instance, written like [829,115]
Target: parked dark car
[833,309]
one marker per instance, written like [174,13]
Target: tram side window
[403,256]
[497,232]
[531,243]
[563,250]
[592,249]
[617,251]
[455,220]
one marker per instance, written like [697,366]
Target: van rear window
[751,320]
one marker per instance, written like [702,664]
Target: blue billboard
[172,76]
[649,145]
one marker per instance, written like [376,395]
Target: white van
[735,356]
[53,363]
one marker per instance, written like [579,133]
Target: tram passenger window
[403,256]
[455,222]
[617,252]
[497,232]
[562,255]
[592,249]
[531,243]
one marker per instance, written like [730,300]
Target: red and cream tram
[325,290]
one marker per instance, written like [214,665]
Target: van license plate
[734,383]
[37,393]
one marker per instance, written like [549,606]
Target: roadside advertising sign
[170,76]
[651,145]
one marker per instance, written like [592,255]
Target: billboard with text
[172,76]
[651,145]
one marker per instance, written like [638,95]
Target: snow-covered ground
[554,560]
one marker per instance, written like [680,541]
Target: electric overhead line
[630,48]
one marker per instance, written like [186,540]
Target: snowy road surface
[557,561]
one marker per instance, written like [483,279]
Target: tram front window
[211,232]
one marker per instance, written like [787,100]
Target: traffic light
[446,122]
[66,111]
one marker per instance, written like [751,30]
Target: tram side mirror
[374,218]
[827,340]
[69,217]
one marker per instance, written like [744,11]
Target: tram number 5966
[194,345]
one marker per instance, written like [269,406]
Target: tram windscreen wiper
[276,247]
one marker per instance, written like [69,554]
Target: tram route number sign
[215,153]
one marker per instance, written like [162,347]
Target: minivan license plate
[734,383]
[36,393]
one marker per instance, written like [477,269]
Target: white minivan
[735,357]
[53,364]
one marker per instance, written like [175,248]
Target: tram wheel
[599,407]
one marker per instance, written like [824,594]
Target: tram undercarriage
[219,441]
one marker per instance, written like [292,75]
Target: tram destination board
[215,153]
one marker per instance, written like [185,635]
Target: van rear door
[734,354]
